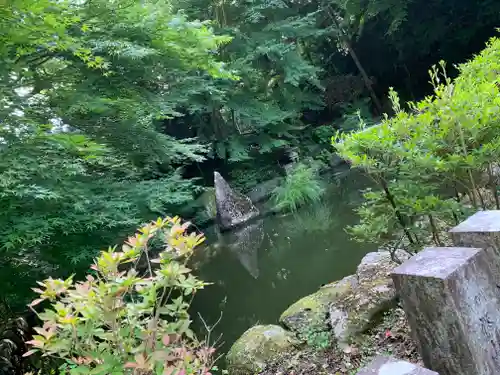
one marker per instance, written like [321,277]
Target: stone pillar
[481,230]
[452,302]
[381,365]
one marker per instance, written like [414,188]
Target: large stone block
[451,299]
[481,230]
[382,365]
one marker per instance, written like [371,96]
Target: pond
[258,271]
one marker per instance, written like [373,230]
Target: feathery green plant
[301,186]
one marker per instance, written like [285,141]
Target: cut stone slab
[481,230]
[382,365]
[233,208]
[452,303]
[258,346]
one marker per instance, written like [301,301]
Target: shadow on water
[260,269]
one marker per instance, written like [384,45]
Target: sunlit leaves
[125,319]
[84,84]
[436,160]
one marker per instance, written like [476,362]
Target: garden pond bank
[334,330]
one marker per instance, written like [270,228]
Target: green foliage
[262,111]
[320,340]
[103,104]
[301,186]
[122,320]
[324,133]
[355,114]
[84,86]
[245,176]
[434,162]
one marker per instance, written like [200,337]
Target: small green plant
[301,186]
[318,339]
[322,134]
[119,321]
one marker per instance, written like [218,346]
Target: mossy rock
[354,313]
[258,346]
[309,314]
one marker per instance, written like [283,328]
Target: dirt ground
[389,337]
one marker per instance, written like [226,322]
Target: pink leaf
[29,352]
[36,302]
[166,340]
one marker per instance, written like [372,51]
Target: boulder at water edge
[347,307]
[354,312]
[259,345]
[310,313]
[233,208]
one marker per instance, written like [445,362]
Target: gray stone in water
[382,365]
[452,302]
[233,208]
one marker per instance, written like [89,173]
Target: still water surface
[262,269]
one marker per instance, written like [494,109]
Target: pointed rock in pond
[233,208]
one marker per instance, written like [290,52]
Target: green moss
[309,313]
[258,346]
[369,301]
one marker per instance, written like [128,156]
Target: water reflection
[259,270]
[245,243]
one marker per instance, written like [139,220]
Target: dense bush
[433,162]
[122,320]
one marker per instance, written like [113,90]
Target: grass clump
[301,186]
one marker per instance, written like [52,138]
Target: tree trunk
[347,42]
[366,79]
[434,230]
[493,186]
[400,218]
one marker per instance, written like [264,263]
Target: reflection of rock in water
[245,243]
